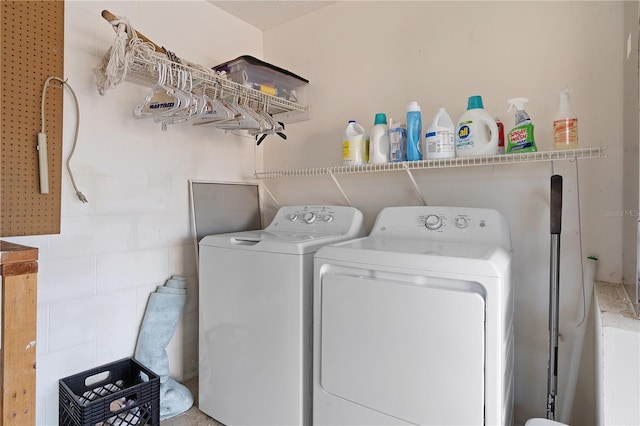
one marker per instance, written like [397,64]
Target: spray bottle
[565,124]
[520,138]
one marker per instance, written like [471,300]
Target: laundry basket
[123,393]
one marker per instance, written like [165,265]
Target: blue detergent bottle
[414,131]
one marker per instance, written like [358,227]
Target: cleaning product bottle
[397,142]
[565,124]
[520,138]
[379,140]
[477,131]
[414,131]
[500,136]
[440,139]
[355,149]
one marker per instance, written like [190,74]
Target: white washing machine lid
[462,258]
[285,242]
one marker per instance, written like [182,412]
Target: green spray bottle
[520,138]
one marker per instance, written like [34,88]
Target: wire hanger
[160,99]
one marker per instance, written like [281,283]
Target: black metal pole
[554,293]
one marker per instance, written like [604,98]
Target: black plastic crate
[123,393]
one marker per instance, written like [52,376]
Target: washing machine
[255,312]
[413,324]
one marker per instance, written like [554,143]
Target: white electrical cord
[42,143]
[584,293]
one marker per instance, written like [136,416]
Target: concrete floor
[192,417]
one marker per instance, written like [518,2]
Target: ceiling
[268,14]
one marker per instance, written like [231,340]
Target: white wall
[367,57]
[95,276]
[631,142]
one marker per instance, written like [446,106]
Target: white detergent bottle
[565,124]
[477,131]
[379,140]
[355,145]
[440,139]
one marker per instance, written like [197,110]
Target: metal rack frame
[144,71]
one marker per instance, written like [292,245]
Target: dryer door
[411,351]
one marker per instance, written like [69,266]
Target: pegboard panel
[32,49]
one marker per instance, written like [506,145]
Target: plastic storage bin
[123,393]
[267,78]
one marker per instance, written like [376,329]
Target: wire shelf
[144,71]
[492,160]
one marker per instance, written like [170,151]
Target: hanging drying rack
[143,69]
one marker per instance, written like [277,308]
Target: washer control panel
[326,219]
[311,216]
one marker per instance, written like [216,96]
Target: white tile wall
[63,279]
[95,277]
[124,270]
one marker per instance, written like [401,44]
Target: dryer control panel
[322,219]
[455,224]
[435,221]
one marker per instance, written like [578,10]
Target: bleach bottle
[440,139]
[477,131]
[355,145]
[379,140]
[520,138]
[414,131]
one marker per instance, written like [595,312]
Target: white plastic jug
[440,140]
[477,131]
[379,140]
[355,149]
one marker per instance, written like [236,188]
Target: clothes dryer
[414,323]
[255,304]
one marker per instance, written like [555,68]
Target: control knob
[293,217]
[433,222]
[328,218]
[309,217]
[461,222]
